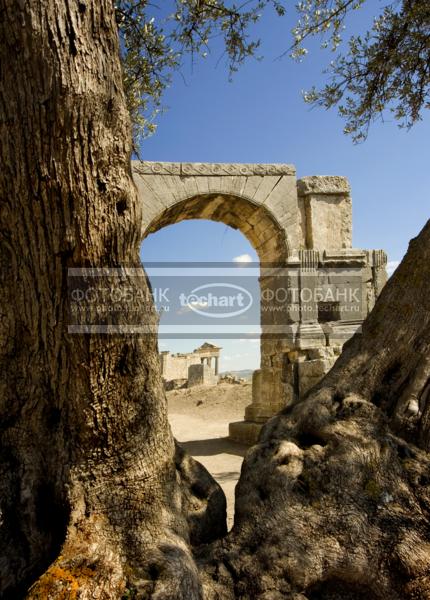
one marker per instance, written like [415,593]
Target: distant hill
[244,373]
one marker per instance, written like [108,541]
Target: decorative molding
[155,168]
[210,169]
[323,184]
[309,259]
[351,256]
[379,259]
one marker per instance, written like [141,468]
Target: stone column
[216,365]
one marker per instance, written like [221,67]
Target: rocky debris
[231,379]
[175,384]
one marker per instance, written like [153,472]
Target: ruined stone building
[200,367]
[302,233]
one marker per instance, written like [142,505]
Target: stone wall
[201,375]
[175,366]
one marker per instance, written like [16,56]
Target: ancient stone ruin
[199,367]
[302,232]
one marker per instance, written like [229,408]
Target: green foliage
[387,68]
[147,59]
[155,42]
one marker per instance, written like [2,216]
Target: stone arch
[262,203]
[246,197]
[256,222]
[300,230]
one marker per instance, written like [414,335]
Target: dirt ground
[199,418]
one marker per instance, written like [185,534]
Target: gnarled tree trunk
[92,502]
[334,501]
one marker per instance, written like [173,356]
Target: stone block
[328,221]
[251,186]
[310,335]
[201,375]
[314,368]
[327,352]
[244,432]
[323,184]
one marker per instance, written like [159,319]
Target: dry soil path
[199,418]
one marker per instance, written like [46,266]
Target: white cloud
[243,258]
[392,266]
[235,356]
[187,308]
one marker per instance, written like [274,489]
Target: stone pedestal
[245,432]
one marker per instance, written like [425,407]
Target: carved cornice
[210,169]
[346,256]
[323,185]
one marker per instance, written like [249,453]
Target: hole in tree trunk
[306,440]
[121,206]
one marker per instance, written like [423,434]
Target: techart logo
[217,300]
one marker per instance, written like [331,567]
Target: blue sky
[261,117]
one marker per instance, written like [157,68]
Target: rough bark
[91,502]
[334,501]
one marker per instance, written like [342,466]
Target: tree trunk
[334,501]
[91,499]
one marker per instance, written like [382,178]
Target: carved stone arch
[300,230]
[255,221]
[266,193]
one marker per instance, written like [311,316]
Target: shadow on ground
[214,446]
